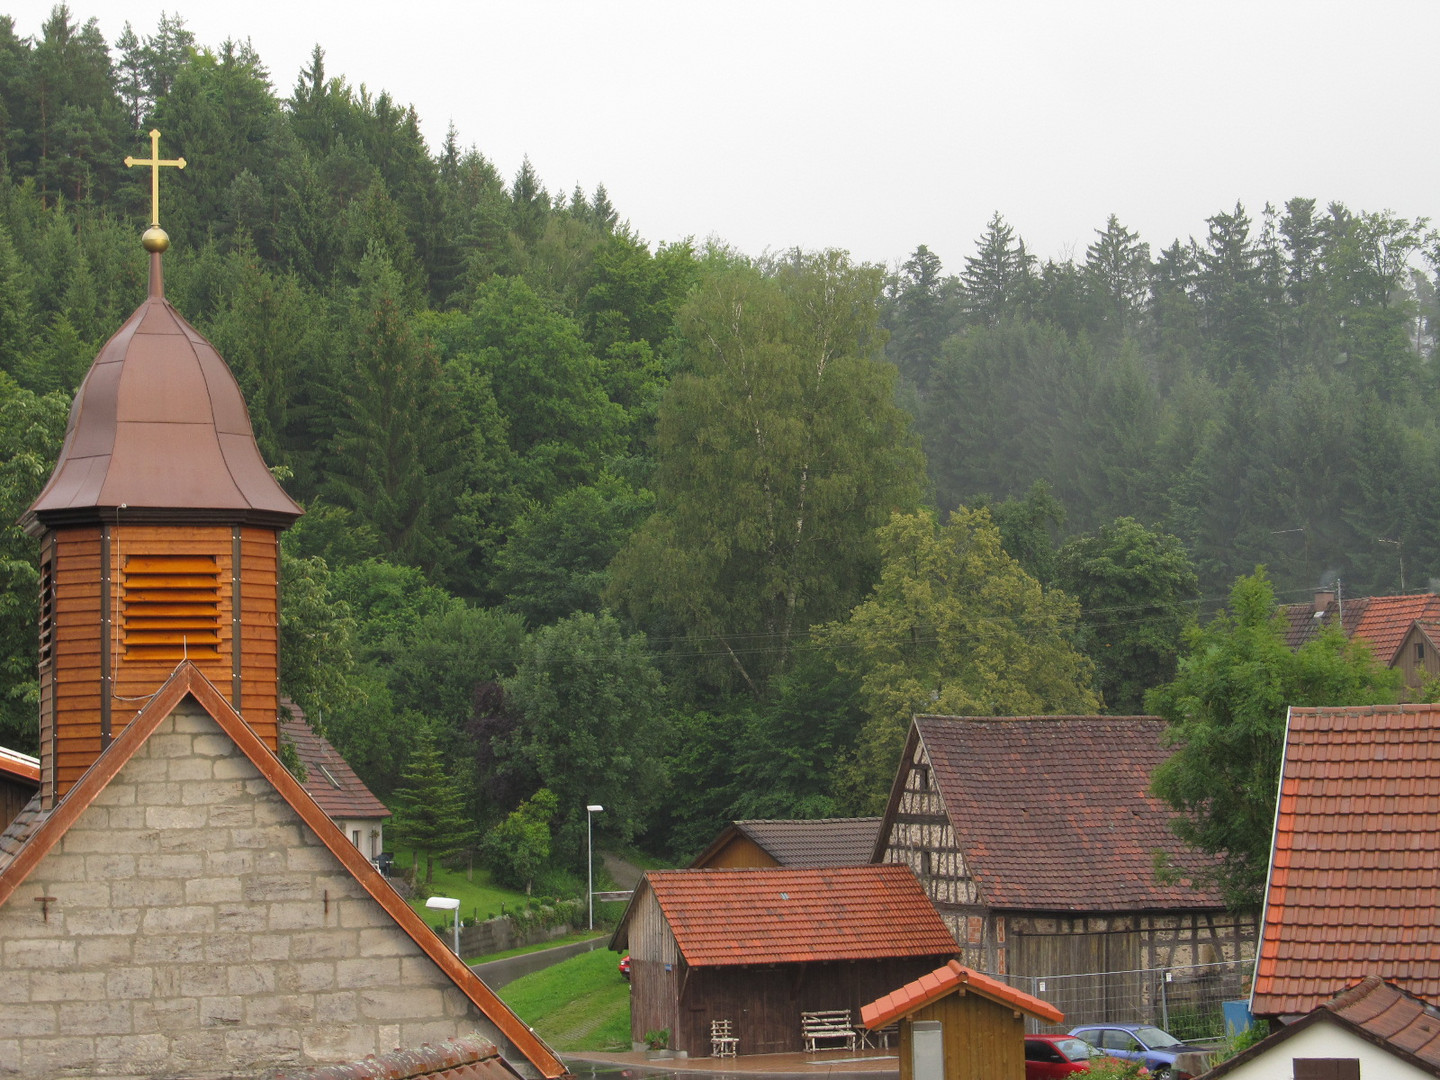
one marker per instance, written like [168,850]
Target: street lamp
[448,903]
[590,811]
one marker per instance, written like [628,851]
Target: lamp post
[448,903]
[590,811]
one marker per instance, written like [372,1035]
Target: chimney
[1323,599]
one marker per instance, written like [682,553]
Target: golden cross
[155,164]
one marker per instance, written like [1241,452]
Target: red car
[1048,1056]
[625,967]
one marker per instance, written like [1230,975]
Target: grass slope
[578,1004]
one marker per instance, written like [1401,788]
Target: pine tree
[429,807]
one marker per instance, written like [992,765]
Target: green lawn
[479,898]
[578,1004]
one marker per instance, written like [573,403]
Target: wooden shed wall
[764,1003]
[1416,668]
[13,797]
[741,851]
[983,1039]
[76,651]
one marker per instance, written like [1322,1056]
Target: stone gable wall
[199,928]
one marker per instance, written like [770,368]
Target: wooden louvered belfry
[159,533]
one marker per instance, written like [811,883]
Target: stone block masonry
[198,928]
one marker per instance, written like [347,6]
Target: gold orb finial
[155,239]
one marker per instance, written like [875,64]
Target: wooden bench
[826,1025]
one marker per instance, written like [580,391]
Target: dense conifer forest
[678,529]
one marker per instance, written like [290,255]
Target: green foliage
[657,1039]
[590,709]
[953,627]
[779,451]
[31,428]
[1137,590]
[1226,711]
[429,808]
[1109,1068]
[518,847]
[575,1005]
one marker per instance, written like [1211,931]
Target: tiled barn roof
[946,980]
[328,779]
[724,917]
[1355,874]
[1054,813]
[1381,621]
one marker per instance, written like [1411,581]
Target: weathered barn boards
[761,946]
[1354,886]
[19,780]
[982,1022]
[1036,838]
[795,843]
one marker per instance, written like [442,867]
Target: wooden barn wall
[764,1003]
[75,682]
[654,969]
[743,852]
[982,1039]
[1416,669]
[13,797]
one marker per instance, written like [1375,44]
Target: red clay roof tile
[770,915]
[329,780]
[954,976]
[1381,621]
[1350,884]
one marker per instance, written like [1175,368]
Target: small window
[355,836]
[1326,1068]
[1419,650]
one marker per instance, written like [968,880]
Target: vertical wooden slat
[236,637]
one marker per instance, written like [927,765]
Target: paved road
[496,973]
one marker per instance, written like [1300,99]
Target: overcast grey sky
[876,127]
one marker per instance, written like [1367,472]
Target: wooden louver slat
[172,606]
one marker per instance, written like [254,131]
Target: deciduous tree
[1226,711]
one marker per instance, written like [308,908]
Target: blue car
[1145,1043]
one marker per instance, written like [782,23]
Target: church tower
[159,532]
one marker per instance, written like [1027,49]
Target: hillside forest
[682,530]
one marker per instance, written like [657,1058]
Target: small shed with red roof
[758,947]
[1354,885]
[978,1022]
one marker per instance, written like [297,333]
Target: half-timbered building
[1038,840]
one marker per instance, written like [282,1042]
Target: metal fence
[1185,1001]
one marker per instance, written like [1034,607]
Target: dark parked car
[1048,1056]
[1140,1042]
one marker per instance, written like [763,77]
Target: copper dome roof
[159,432]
